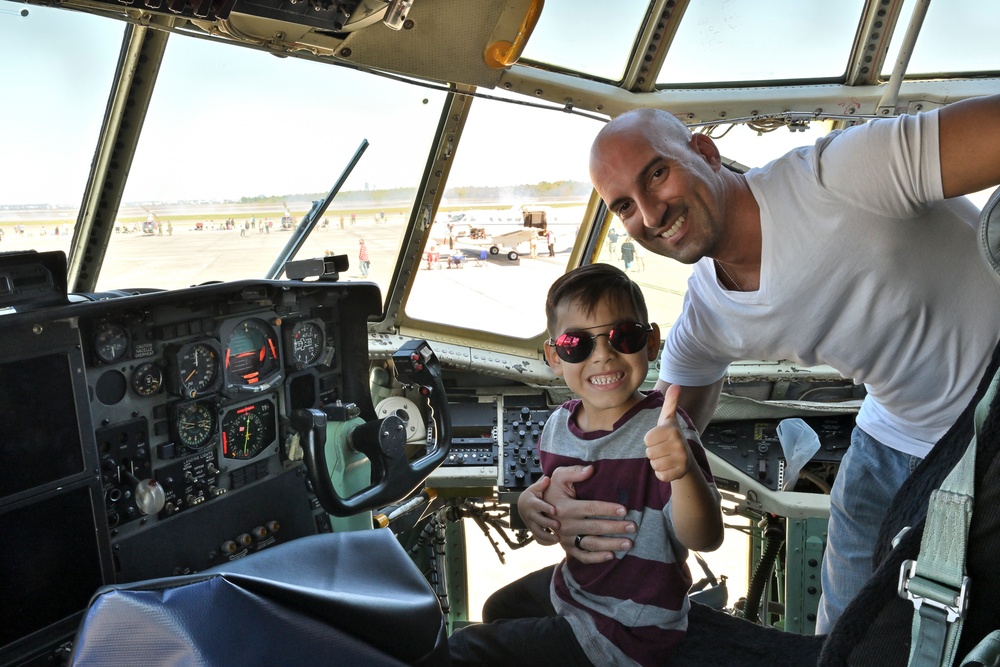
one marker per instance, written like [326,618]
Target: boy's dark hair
[588,285]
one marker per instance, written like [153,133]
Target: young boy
[631,609]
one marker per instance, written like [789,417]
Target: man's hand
[538,514]
[666,447]
[578,518]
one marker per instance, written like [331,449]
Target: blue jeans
[868,479]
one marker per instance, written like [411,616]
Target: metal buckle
[955,607]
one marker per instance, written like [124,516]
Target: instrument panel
[152,434]
[206,386]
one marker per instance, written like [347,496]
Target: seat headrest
[989,231]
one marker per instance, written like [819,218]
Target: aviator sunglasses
[624,337]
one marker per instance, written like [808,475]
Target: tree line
[542,190]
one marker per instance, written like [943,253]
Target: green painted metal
[350,471]
[804,542]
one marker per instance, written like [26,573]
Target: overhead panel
[443,40]
[210,10]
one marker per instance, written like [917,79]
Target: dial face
[198,368]
[252,353]
[111,343]
[307,342]
[195,424]
[248,431]
[147,379]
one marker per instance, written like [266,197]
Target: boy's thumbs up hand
[668,413]
[666,447]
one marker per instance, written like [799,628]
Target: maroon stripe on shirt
[630,578]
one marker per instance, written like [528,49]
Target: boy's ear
[552,359]
[653,343]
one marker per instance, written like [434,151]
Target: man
[628,253]
[848,253]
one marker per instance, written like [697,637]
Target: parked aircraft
[495,229]
[313,414]
[151,224]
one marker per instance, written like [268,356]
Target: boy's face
[607,380]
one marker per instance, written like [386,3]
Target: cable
[774,537]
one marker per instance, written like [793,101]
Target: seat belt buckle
[920,591]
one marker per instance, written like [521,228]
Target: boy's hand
[666,447]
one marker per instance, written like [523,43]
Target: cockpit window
[231,160]
[967,22]
[585,36]
[738,41]
[518,176]
[51,118]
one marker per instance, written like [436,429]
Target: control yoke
[383,441]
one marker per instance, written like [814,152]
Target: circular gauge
[197,368]
[252,353]
[248,431]
[147,379]
[307,341]
[194,424]
[111,343]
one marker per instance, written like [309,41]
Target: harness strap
[936,582]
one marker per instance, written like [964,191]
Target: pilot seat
[352,598]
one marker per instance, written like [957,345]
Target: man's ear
[703,145]
[552,359]
[653,343]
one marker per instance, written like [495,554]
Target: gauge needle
[246,441]
[191,374]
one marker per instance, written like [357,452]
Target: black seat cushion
[344,598]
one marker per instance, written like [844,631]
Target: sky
[229,122]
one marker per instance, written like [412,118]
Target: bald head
[665,184]
[654,125]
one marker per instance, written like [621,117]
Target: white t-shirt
[865,268]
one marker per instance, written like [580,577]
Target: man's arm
[698,402]
[969,136]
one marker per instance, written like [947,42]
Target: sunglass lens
[574,347]
[628,337]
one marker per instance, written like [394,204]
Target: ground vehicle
[486,331]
